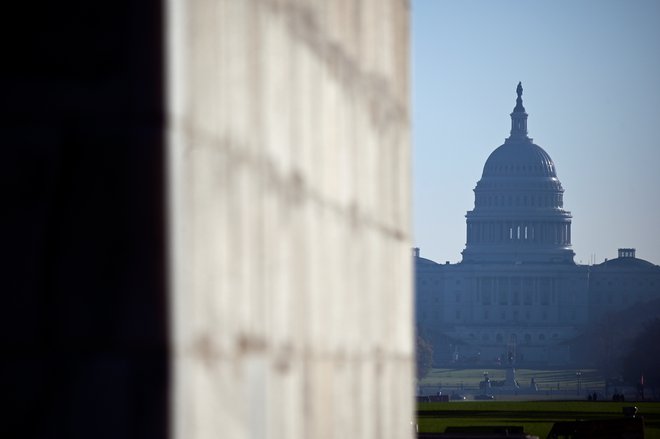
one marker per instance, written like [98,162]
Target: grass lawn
[545,379]
[536,418]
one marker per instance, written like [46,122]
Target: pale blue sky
[591,76]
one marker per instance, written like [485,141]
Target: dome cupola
[518,214]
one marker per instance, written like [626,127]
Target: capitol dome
[519,160]
[518,157]
[518,213]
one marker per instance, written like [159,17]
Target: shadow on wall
[84,326]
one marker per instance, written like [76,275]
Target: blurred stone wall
[289,207]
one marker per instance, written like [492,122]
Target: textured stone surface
[289,206]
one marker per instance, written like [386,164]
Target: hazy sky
[591,77]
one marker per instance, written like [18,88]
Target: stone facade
[517,295]
[480,313]
[622,282]
[290,219]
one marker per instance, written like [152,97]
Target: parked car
[484,397]
[457,397]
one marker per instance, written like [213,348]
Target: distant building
[622,282]
[517,295]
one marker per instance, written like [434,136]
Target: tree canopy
[424,356]
[643,359]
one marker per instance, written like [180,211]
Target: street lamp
[578,375]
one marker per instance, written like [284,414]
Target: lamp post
[578,375]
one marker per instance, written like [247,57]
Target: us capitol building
[517,295]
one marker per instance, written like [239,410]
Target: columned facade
[517,292]
[517,295]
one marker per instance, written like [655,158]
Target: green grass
[536,418]
[545,379]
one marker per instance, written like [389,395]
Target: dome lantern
[519,117]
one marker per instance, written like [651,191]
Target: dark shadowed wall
[84,316]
